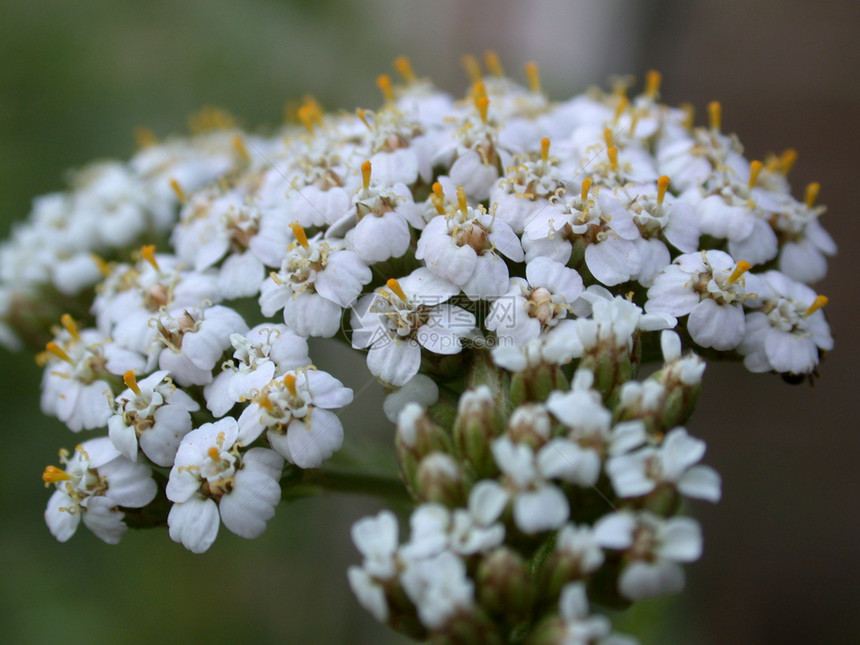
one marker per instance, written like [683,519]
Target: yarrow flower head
[510,265]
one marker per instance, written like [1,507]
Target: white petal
[194,523]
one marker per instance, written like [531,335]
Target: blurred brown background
[782,555]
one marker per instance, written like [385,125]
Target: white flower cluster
[524,255]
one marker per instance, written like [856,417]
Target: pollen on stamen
[58,351]
[101,264]
[362,115]
[662,187]
[478,90]
[144,137]
[741,268]
[483,104]
[607,137]
[241,149]
[306,116]
[652,84]
[786,160]
[395,288]
[494,65]
[461,200]
[533,75]
[52,475]
[473,67]
[715,115]
[544,149]
[438,198]
[131,382]
[148,253]
[70,326]
[612,153]
[818,303]
[811,195]
[290,384]
[301,236]
[365,174]
[213,454]
[181,196]
[586,186]
[755,171]
[383,82]
[689,114]
[404,67]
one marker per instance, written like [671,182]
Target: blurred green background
[780,563]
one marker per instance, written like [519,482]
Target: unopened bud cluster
[507,262]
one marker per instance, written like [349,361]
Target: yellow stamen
[213,454]
[544,149]
[144,137]
[306,116]
[365,174]
[607,137]
[104,267]
[362,115]
[662,187]
[131,382]
[301,236]
[52,475]
[652,84]
[491,59]
[438,198]
[290,383]
[786,160]
[264,402]
[482,103]
[741,268]
[612,152]
[404,68]
[241,149]
[689,114]
[478,90]
[210,118]
[383,82]
[58,351]
[817,304]
[755,171]
[715,114]
[811,194]
[533,76]
[395,287]
[633,121]
[177,190]
[70,326]
[461,200]
[148,253]
[623,102]
[586,186]
[473,67]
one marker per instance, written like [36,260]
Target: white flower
[653,548]
[266,351]
[463,247]
[296,411]
[438,587]
[406,315]
[211,478]
[78,368]
[96,481]
[154,412]
[805,244]
[580,628]
[189,342]
[317,279]
[533,306]
[579,544]
[673,463]
[788,330]
[419,389]
[710,287]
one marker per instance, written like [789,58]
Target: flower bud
[505,587]
[536,384]
[479,420]
[417,436]
[439,479]
[529,424]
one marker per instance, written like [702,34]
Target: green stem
[332,481]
